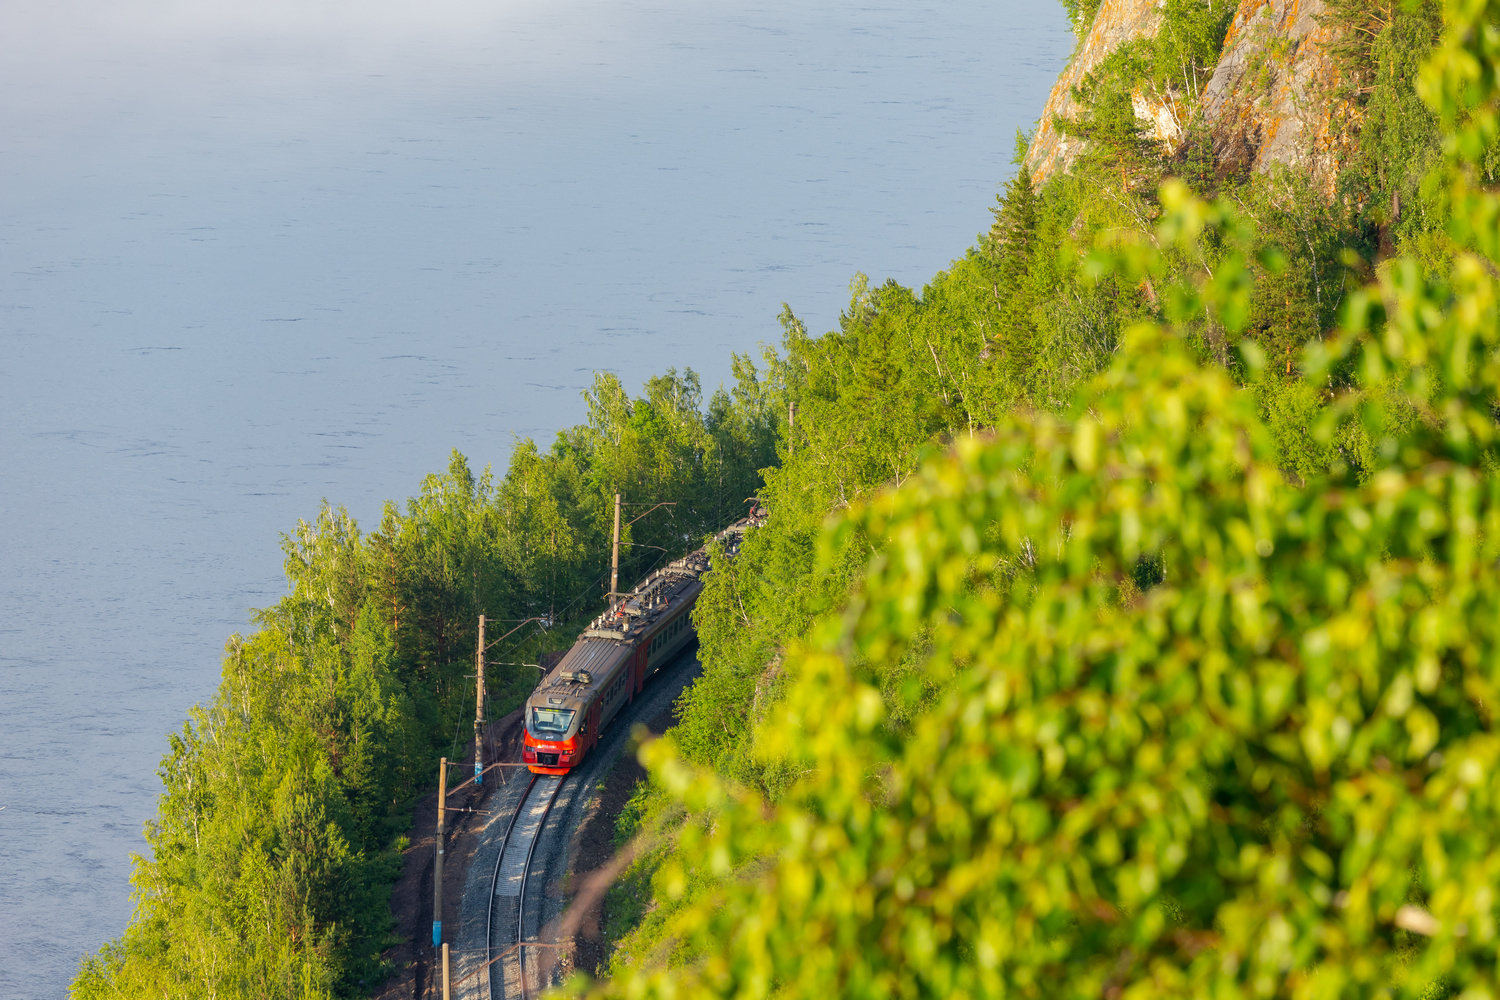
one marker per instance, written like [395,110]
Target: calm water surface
[253,255]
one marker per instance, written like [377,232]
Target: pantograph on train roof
[654,595]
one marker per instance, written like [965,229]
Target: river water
[257,254]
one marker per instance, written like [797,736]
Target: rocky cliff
[1117,22]
[1269,100]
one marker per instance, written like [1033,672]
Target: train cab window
[551,720]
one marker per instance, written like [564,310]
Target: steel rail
[489,916]
[521,899]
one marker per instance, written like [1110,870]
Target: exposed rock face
[1270,98]
[1165,113]
[1117,22]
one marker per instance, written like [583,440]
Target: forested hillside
[287,797]
[1027,317]
[1125,621]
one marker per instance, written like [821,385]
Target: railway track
[505,931]
[533,838]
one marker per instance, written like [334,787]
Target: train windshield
[551,720]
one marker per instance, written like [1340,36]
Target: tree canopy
[1121,705]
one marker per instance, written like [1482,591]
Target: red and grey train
[614,657]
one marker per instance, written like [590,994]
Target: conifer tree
[1014,239]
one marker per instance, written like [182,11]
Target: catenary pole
[614,561]
[479,709]
[437,868]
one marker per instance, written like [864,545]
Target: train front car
[571,704]
[552,732]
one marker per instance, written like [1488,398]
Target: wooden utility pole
[437,868]
[479,708]
[445,972]
[614,563]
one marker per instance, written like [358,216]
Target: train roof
[613,636]
[596,658]
[665,589]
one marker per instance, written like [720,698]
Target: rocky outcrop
[1117,22]
[1165,113]
[1270,99]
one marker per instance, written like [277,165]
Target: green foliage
[633,904]
[1189,730]
[1010,323]
[1301,279]
[1081,15]
[1187,45]
[1380,50]
[1015,241]
[1046,324]
[1118,143]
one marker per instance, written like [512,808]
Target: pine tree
[1014,239]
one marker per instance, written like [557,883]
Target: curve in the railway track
[526,843]
[512,870]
